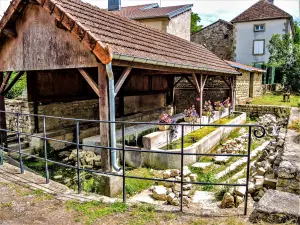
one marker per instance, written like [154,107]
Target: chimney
[114,5]
[271,1]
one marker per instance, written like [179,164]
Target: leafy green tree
[297,32]
[19,87]
[285,57]
[195,27]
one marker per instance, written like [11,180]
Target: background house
[217,37]
[174,20]
[253,30]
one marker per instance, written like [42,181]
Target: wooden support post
[3,134]
[201,97]
[104,116]
[121,105]
[233,97]
[33,96]
[196,84]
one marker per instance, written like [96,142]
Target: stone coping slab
[277,207]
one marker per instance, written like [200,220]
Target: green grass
[276,98]
[135,186]
[295,125]
[89,212]
[196,136]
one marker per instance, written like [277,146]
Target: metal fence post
[78,157]
[1,154]
[248,169]
[19,143]
[181,180]
[45,150]
[123,165]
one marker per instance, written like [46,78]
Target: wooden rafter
[196,83]
[9,33]
[189,80]
[4,83]
[122,79]
[90,81]
[180,79]
[12,83]
[228,83]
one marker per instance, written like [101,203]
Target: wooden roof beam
[90,81]
[9,33]
[4,83]
[122,79]
[12,83]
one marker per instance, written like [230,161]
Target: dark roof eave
[117,56]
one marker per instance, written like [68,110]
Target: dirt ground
[25,199]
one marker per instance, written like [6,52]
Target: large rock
[286,170]
[186,171]
[228,201]
[175,173]
[160,193]
[167,174]
[277,207]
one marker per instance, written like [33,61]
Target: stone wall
[218,38]
[260,110]
[288,164]
[185,93]
[243,86]
[85,109]
[21,106]
[180,26]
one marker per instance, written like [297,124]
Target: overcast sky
[209,10]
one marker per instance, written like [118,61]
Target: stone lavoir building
[249,83]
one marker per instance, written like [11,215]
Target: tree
[297,33]
[285,57]
[195,20]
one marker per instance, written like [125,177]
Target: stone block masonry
[260,110]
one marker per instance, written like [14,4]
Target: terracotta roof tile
[96,27]
[151,11]
[262,10]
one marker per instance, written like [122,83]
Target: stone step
[242,161]
[15,155]
[277,207]
[15,146]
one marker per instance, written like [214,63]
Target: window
[259,47]
[259,28]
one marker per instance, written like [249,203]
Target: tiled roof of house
[262,10]
[245,67]
[128,39]
[152,11]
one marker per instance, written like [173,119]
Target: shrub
[19,87]
[219,194]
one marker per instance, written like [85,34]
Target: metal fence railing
[258,132]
